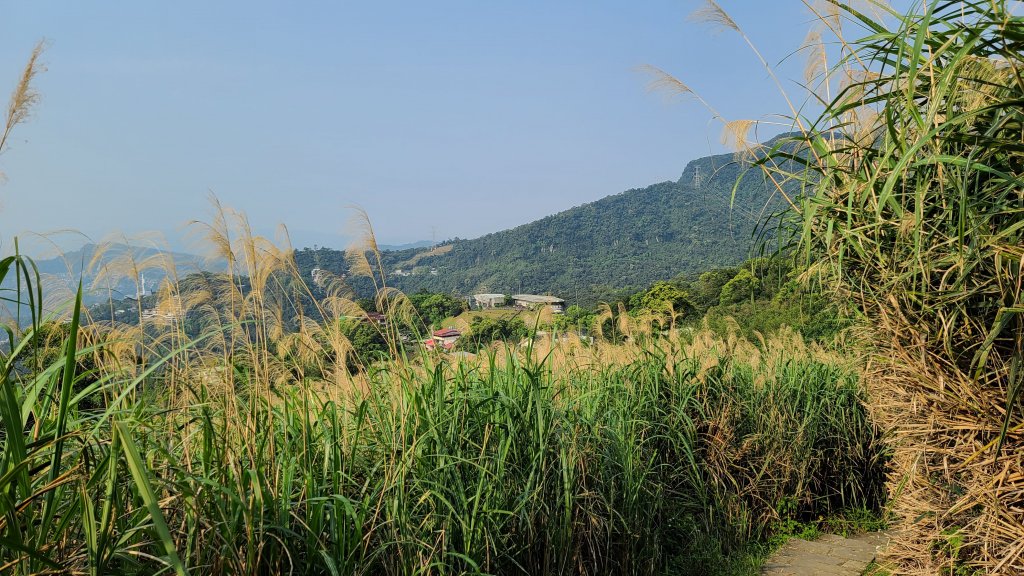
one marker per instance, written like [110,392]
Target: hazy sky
[462,116]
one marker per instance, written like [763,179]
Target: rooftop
[535,299]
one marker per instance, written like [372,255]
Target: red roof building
[444,338]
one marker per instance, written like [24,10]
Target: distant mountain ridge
[407,246]
[706,219]
[60,274]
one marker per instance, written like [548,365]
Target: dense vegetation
[596,459]
[759,296]
[912,208]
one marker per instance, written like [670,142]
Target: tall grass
[574,460]
[906,195]
[916,210]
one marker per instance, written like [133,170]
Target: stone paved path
[829,555]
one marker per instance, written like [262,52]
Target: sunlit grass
[565,459]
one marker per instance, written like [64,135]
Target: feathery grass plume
[364,246]
[120,257]
[661,81]
[712,13]
[391,302]
[736,135]
[857,84]
[341,307]
[395,304]
[24,97]
[829,14]
[214,238]
[304,349]
[624,321]
[398,311]
[358,262]
[828,17]
[816,59]
[604,314]
[865,126]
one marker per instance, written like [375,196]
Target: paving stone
[830,555]
[810,547]
[843,554]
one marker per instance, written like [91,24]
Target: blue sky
[457,116]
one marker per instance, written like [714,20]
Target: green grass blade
[67,382]
[137,467]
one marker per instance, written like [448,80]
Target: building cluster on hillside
[416,270]
[168,310]
[321,278]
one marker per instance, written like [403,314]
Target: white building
[319,277]
[489,300]
[533,301]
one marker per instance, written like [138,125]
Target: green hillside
[627,240]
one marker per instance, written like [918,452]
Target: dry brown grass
[437,251]
[959,501]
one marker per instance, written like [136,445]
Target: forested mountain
[627,240]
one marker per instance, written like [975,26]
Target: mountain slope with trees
[704,220]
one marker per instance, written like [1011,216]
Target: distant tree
[660,296]
[575,318]
[742,286]
[708,288]
[367,341]
[433,307]
[484,330]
